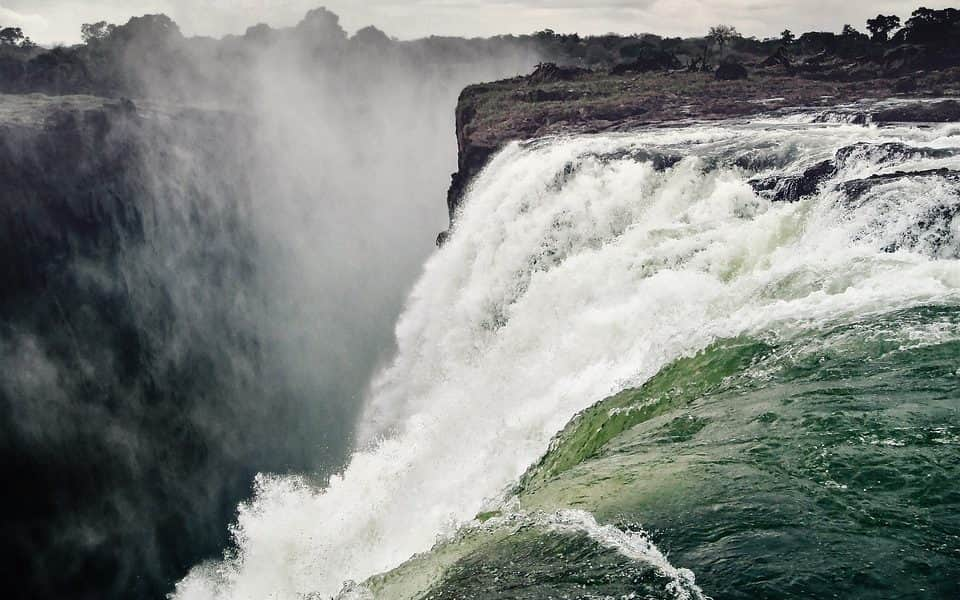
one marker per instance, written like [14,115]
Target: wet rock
[890,152]
[930,231]
[794,187]
[659,160]
[947,111]
[837,116]
[855,189]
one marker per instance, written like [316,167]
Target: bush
[731,71]
[931,27]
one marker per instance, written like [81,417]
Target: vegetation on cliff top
[650,79]
[150,56]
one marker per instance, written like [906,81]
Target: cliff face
[556,100]
[133,410]
[66,167]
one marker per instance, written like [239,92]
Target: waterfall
[580,266]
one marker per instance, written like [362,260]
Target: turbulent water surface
[754,398]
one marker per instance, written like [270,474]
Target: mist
[256,219]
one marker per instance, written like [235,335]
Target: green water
[826,465]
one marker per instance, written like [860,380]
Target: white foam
[569,277]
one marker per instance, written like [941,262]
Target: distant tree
[597,54]
[721,35]
[323,27]
[814,42]
[852,43]
[94,32]
[11,36]
[850,31]
[881,26]
[148,30]
[787,38]
[632,50]
[546,34]
[260,32]
[371,37]
[928,26]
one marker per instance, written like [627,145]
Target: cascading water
[580,267]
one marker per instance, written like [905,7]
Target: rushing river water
[754,398]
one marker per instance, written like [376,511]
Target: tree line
[117,59]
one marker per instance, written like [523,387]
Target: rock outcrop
[555,100]
[121,231]
[947,111]
[792,188]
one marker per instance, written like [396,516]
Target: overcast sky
[52,21]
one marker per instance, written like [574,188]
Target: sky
[58,21]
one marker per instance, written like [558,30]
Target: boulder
[794,187]
[890,153]
[947,111]
[551,73]
[731,71]
[780,58]
[856,188]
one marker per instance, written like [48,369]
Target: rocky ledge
[562,100]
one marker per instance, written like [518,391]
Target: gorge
[684,336]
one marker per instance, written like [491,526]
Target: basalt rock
[855,189]
[103,207]
[794,187]
[842,116]
[557,100]
[947,111]
[552,73]
[890,152]
[791,188]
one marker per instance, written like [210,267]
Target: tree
[721,35]
[371,37]
[928,26]
[850,31]
[11,36]
[881,26]
[322,26]
[787,37]
[546,34]
[94,32]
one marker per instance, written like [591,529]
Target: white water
[557,290]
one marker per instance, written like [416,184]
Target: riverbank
[557,100]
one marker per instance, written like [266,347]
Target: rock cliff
[129,384]
[556,100]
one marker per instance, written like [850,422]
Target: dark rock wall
[137,399]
